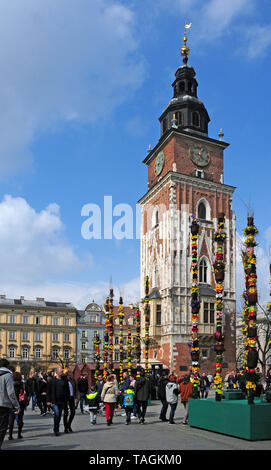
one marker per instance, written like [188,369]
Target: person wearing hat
[172,393]
[8,399]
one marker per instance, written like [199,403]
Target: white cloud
[61,61]
[36,259]
[33,244]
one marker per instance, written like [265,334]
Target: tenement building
[185,178]
[90,323]
[36,334]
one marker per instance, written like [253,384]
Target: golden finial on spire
[185,49]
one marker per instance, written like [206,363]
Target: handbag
[23,397]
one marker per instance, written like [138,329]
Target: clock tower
[185,178]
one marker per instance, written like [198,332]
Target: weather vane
[185,48]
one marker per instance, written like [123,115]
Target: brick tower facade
[185,177]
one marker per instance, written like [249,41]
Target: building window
[54,353]
[67,321]
[212,313]
[55,336]
[182,86]
[205,313]
[37,336]
[25,320]
[11,353]
[200,174]
[84,334]
[25,335]
[83,345]
[158,314]
[55,321]
[179,119]
[204,353]
[202,211]
[25,353]
[38,320]
[208,313]
[12,335]
[66,337]
[83,359]
[66,353]
[164,125]
[116,340]
[37,353]
[12,319]
[93,319]
[195,118]
[116,356]
[203,271]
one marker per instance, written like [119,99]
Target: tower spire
[185,49]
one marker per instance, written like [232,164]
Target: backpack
[128,397]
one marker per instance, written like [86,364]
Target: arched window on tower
[202,211]
[195,118]
[182,86]
[164,125]
[189,87]
[179,118]
[203,271]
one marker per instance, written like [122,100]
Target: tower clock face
[159,163]
[199,155]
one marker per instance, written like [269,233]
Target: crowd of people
[59,394]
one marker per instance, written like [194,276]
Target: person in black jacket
[69,410]
[57,396]
[19,388]
[204,385]
[42,394]
[162,396]
[82,386]
[142,394]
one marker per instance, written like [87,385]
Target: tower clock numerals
[199,155]
[159,163]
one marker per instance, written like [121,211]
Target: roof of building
[207,291]
[38,303]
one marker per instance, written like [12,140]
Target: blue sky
[82,85]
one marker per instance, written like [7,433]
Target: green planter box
[233,417]
[233,394]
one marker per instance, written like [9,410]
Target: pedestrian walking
[20,392]
[128,403]
[70,404]
[204,385]
[186,390]
[162,396]
[142,393]
[172,393]
[82,386]
[57,397]
[42,394]
[109,397]
[8,400]
[93,402]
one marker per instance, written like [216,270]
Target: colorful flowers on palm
[147,324]
[195,306]
[250,311]
[111,330]
[129,350]
[106,338]
[137,345]
[219,269]
[121,317]
[97,343]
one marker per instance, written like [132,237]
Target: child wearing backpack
[93,401]
[128,403]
